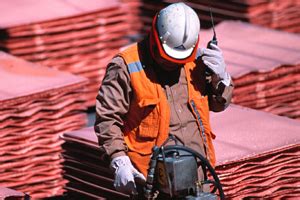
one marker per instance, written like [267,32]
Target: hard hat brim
[177,54]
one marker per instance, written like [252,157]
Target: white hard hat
[178,28]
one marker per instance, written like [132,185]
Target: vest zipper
[202,129]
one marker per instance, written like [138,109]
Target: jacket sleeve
[219,94]
[112,103]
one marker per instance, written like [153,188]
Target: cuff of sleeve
[117,154]
[226,80]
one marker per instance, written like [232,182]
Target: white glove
[213,59]
[125,174]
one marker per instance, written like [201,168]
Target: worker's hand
[213,59]
[125,175]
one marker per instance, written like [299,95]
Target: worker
[164,84]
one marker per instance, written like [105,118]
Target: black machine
[173,173]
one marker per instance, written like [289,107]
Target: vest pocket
[149,126]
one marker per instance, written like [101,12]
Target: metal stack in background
[258,154]
[133,12]
[140,14]
[276,14]
[37,105]
[86,169]
[75,36]
[264,64]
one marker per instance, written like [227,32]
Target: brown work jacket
[185,111]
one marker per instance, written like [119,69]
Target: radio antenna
[213,24]
[214,39]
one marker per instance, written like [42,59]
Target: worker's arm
[220,85]
[112,103]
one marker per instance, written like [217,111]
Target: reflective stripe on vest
[134,67]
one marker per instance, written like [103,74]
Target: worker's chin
[167,65]
[170,67]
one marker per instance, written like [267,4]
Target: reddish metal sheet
[71,22]
[245,55]
[253,77]
[262,99]
[32,178]
[28,161]
[85,136]
[255,192]
[15,152]
[53,164]
[257,153]
[73,63]
[247,137]
[42,127]
[96,187]
[30,11]
[42,104]
[271,160]
[262,178]
[88,175]
[68,104]
[32,79]
[104,26]
[98,22]
[274,84]
[88,162]
[36,134]
[274,14]
[43,115]
[99,35]
[46,189]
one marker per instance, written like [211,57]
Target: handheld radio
[214,39]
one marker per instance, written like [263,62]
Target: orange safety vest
[147,121]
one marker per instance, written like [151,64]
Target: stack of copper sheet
[278,14]
[133,11]
[37,105]
[85,168]
[258,154]
[140,14]
[265,66]
[247,165]
[9,194]
[75,36]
